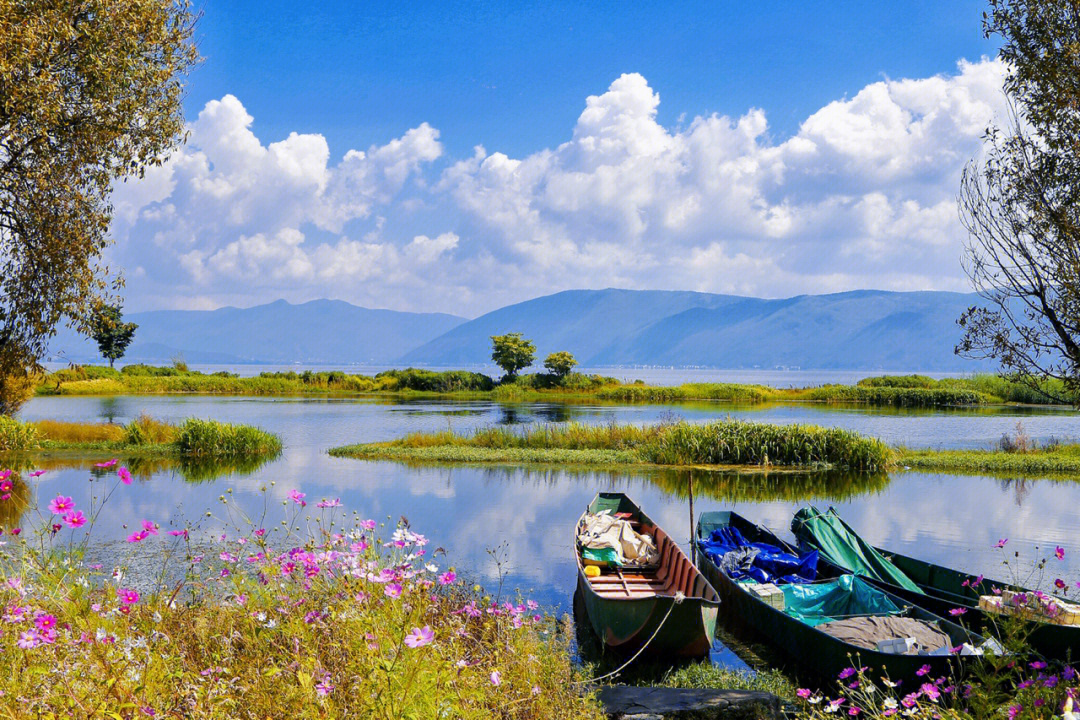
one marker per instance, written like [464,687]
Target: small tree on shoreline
[512,353]
[560,364]
[111,333]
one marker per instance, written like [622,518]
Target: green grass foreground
[144,437]
[909,391]
[729,442]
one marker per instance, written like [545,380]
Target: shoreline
[909,391]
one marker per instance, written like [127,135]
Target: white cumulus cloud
[862,195]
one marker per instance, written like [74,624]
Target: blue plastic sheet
[760,562]
[847,596]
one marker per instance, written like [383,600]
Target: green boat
[669,608]
[934,587]
[794,630]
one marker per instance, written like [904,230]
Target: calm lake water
[526,516]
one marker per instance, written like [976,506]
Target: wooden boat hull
[815,651]
[625,624]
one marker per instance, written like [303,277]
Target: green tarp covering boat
[669,605]
[796,630]
[834,540]
[933,587]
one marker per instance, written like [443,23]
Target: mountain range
[857,330]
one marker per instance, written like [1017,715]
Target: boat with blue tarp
[824,623]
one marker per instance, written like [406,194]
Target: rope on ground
[679,597]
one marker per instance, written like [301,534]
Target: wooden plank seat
[675,574]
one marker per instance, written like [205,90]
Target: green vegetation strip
[1050,460]
[144,437]
[913,391]
[729,442]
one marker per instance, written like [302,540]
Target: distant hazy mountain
[861,330]
[321,331]
[865,329]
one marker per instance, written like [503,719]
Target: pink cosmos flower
[45,622]
[5,474]
[28,640]
[367,524]
[106,464]
[324,688]
[957,611]
[419,637]
[1001,542]
[137,537]
[298,497]
[846,673]
[1059,584]
[260,532]
[447,578]
[496,678]
[923,670]
[124,474]
[1059,552]
[74,519]
[336,502]
[178,533]
[127,596]
[16,531]
[37,473]
[803,693]
[149,528]
[60,505]
[392,590]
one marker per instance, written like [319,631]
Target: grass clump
[16,436]
[746,443]
[730,442]
[145,430]
[210,438]
[77,432]
[273,623]
[440,382]
[894,396]
[203,448]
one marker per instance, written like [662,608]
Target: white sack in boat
[602,531]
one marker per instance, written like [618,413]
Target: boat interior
[674,573]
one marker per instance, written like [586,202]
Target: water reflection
[768,485]
[943,518]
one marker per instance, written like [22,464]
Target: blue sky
[756,148]
[513,75]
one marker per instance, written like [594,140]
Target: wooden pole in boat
[693,543]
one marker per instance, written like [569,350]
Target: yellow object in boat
[592,571]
